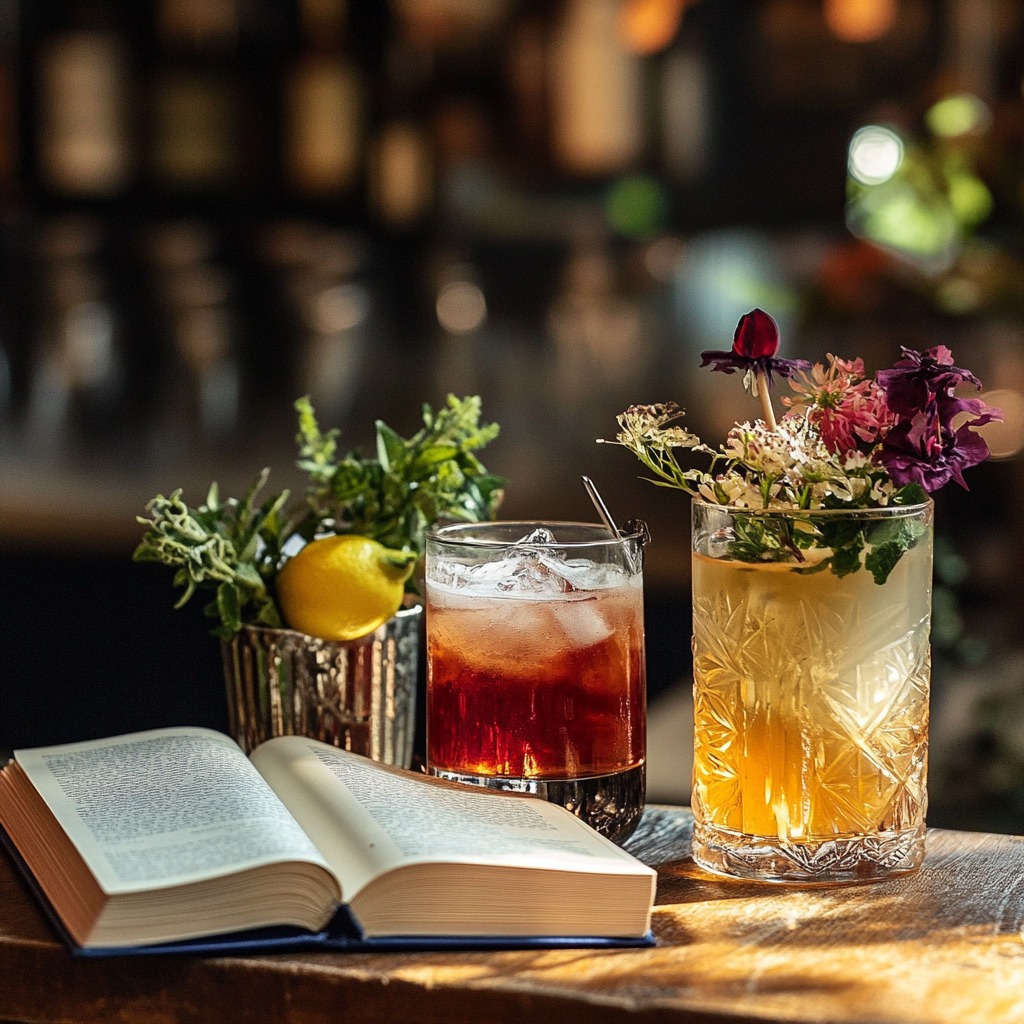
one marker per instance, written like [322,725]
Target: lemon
[342,587]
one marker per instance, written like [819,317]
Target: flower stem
[766,400]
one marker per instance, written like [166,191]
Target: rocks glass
[535,664]
[811,694]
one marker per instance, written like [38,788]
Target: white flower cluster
[757,467]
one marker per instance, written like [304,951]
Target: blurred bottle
[212,120]
[323,278]
[11,274]
[324,106]
[401,159]
[598,117]
[526,77]
[595,326]
[194,124]
[202,387]
[684,113]
[9,98]
[79,380]
[85,86]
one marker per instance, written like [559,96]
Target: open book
[173,838]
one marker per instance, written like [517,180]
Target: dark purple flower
[753,349]
[929,449]
[914,381]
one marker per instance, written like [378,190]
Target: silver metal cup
[359,695]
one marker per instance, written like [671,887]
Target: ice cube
[583,574]
[482,578]
[493,573]
[582,622]
[535,573]
[529,567]
[549,572]
[539,536]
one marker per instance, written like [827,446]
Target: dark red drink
[536,682]
[514,694]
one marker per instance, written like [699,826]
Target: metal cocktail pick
[605,516]
[602,508]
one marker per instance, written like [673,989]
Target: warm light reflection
[341,308]
[663,257]
[597,102]
[860,21]
[461,307]
[400,172]
[648,26]
[875,154]
[436,22]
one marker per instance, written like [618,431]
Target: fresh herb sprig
[236,548]
[231,547]
[842,545]
[410,484]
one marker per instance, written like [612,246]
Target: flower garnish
[929,449]
[849,411]
[846,441]
[926,445]
[753,351]
[916,379]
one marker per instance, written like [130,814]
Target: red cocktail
[535,662]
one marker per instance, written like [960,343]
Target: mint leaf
[846,560]
[882,560]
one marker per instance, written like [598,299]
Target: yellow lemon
[340,588]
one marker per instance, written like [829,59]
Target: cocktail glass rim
[463,534]
[870,511]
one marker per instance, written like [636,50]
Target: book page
[380,817]
[164,807]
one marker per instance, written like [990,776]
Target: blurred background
[211,207]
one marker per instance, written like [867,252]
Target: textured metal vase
[359,695]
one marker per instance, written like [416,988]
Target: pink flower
[849,412]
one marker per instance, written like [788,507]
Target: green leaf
[390,446]
[841,533]
[910,494]
[438,453]
[845,560]
[229,606]
[882,560]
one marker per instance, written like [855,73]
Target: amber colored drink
[541,689]
[811,718]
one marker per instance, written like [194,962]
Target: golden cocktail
[810,699]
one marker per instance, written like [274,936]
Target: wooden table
[946,944]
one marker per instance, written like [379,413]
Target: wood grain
[944,945]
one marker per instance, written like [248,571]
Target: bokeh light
[959,114]
[461,307]
[875,154]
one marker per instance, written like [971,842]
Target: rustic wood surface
[944,945]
